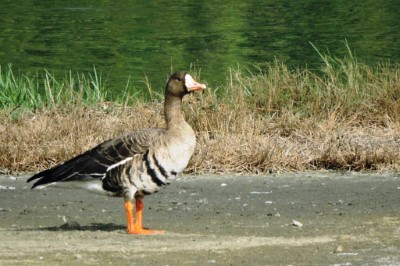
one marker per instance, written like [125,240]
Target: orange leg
[129,215]
[137,227]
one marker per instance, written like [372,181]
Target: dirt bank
[223,220]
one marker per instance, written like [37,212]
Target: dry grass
[228,142]
[344,117]
[41,139]
[314,146]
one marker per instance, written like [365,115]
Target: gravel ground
[320,218]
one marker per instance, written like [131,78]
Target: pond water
[128,40]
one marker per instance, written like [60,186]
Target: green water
[128,40]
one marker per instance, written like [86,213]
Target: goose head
[181,83]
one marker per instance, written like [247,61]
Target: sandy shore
[224,220]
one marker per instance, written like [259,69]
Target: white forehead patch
[189,81]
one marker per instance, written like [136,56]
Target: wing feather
[95,162]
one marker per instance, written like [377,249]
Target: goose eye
[178,79]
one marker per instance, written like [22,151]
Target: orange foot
[143,231]
[136,227]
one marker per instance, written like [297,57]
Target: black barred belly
[154,177]
[146,175]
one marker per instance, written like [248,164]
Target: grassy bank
[345,116]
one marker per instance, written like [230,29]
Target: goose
[136,164]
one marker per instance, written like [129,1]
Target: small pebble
[296,223]
[339,249]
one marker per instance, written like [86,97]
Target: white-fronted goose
[136,164]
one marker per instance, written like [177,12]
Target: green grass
[44,91]
[343,86]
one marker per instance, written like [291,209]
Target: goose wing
[95,162]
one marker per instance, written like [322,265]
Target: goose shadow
[74,226]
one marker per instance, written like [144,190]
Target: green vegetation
[344,86]
[44,91]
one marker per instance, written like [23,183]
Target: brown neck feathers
[173,109]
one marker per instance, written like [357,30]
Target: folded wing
[95,162]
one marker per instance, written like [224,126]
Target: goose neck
[173,109]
